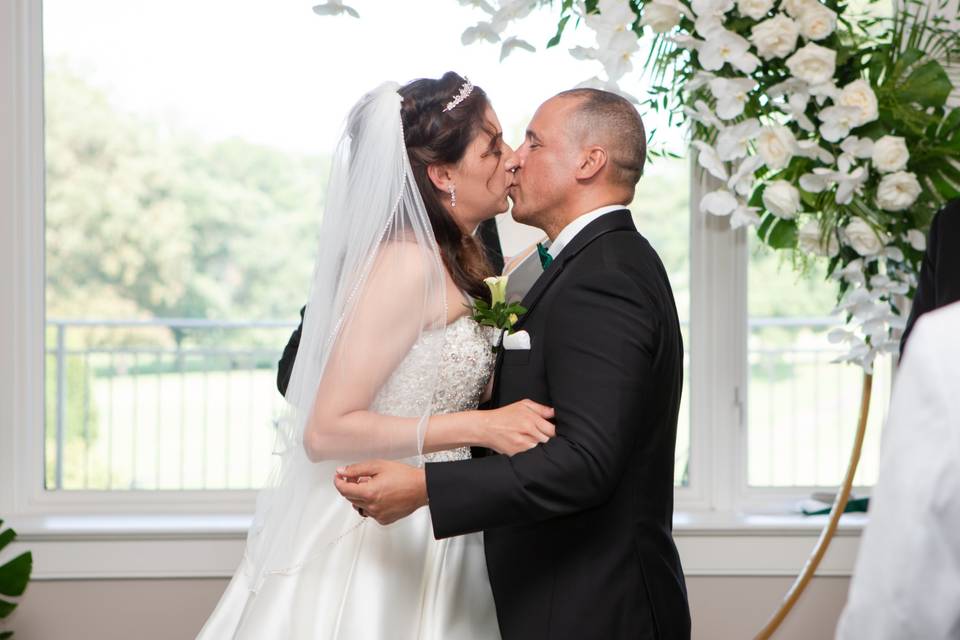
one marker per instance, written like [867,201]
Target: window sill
[82,547]
[234,526]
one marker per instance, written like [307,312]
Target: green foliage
[143,221]
[14,576]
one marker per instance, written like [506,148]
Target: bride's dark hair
[432,136]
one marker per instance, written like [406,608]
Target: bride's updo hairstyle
[435,136]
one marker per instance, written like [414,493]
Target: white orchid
[743,180]
[722,47]
[334,8]
[854,147]
[509,11]
[812,149]
[663,15]
[847,182]
[479,4]
[743,216]
[916,239]
[700,112]
[709,160]
[795,107]
[719,203]
[513,43]
[480,31]
[732,141]
[731,95]
[837,121]
[613,24]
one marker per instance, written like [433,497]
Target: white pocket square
[516,341]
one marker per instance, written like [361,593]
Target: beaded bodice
[466,362]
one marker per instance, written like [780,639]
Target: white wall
[724,608]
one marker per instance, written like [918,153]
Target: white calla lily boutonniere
[497,313]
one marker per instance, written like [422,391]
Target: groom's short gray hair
[612,122]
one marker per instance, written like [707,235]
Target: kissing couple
[545,463]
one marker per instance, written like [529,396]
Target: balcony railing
[185,404]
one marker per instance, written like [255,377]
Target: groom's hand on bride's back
[384,490]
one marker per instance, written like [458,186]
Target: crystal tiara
[465,90]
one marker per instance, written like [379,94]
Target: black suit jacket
[578,531]
[939,283]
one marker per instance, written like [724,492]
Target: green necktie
[545,257]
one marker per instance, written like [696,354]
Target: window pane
[187,149]
[662,213]
[803,409]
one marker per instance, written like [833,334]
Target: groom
[577,531]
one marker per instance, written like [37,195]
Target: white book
[522,276]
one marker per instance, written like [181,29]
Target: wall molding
[191,546]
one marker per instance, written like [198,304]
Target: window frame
[718,332]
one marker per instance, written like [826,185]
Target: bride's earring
[453,195]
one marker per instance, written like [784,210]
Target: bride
[390,365]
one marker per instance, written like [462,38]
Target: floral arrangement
[826,131]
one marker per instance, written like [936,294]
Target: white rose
[859,94]
[862,238]
[776,37]
[813,63]
[661,16]
[781,199]
[796,8]
[817,22]
[897,191]
[917,240]
[890,154]
[809,240]
[776,146]
[755,9]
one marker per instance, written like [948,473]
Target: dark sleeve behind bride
[490,239]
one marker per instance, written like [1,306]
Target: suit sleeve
[285,366]
[925,298]
[599,346]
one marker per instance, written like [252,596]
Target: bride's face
[483,177]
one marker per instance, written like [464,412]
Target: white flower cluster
[499,18]
[807,115]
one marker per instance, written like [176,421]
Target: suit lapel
[614,221]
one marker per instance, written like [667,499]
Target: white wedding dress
[395,582]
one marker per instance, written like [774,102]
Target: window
[183,186]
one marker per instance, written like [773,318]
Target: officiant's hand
[386,491]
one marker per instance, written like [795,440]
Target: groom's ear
[439,175]
[592,162]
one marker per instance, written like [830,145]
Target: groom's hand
[384,490]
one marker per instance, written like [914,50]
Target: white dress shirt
[570,231]
[906,583]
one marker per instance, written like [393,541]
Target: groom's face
[547,163]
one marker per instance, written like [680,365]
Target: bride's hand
[517,427]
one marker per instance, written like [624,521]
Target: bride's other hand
[517,427]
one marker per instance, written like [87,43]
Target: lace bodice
[466,363]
